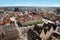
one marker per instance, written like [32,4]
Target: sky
[53,3]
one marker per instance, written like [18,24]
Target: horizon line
[30,5]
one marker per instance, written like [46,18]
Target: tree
[16,9]
[58,11]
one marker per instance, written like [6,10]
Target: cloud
[31,5]
[11,5]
